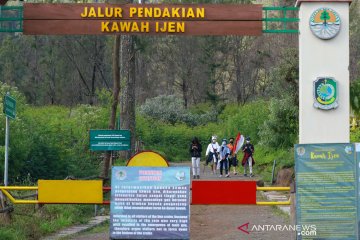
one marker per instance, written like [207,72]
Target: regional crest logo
[120,175]
[325,93]
[325,23]
[180,175]
[300,151]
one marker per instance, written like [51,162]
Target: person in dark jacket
[248,159]
[195,152]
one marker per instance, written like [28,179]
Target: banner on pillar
[326,191]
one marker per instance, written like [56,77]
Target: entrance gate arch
[321,59]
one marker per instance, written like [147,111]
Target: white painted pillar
[323,58]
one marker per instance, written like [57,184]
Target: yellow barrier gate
[5,191]
[61,191]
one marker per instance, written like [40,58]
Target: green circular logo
[325,23]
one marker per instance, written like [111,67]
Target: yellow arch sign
[147,159]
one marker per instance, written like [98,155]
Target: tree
[325,16]
[115,98]
[128,93]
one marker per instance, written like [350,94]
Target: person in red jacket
[248,159]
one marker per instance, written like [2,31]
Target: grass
[29,223]
[274,208]
[265,158]
[278,212]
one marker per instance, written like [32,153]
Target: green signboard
[9,107]
[108,140]
[326,191]
[357,147]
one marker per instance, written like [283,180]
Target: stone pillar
[324,60]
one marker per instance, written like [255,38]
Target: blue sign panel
[326,191]
[150,203]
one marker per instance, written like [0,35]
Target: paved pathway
[78,228]
[279,197]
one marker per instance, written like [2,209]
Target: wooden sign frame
[146,19]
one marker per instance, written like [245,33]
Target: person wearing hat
[248,159]
[195,152]
[212,152]
[224,154]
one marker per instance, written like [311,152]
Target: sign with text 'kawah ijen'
[148,19]
[326,191]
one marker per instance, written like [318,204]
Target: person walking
[195,152]
[233,158]
[212,152]
[248,160]
[224,154]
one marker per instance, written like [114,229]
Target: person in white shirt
[212,153]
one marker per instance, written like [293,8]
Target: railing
[278,22]
[17,200]
[5,191]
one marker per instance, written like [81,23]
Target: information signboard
[357,148]
[107,140]
[150,203]
[326,191]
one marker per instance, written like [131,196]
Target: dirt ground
[217,222]
[214,222]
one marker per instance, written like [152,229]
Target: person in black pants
[248,160]
[224,158]
[195,152]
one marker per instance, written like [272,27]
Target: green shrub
[30,224]
[170,109]
[172,140]
[280,130]
[10,234]
[265,157]
[245,119]
[355,135]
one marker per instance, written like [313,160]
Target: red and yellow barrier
[91,192]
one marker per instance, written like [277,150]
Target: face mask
[247,141]
[231,142]
[224,143]
[214,140]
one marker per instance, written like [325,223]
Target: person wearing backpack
[195,152]
[212,152]
[233,158]
[248,160]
